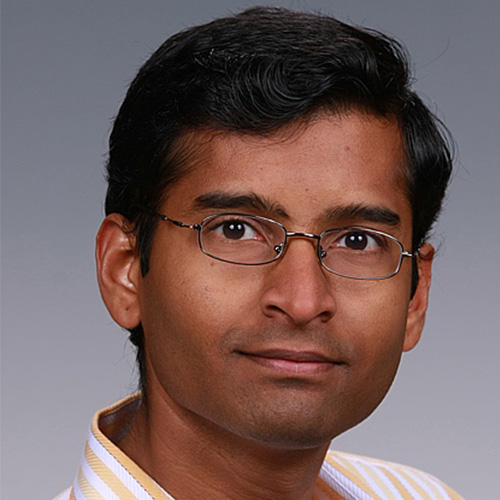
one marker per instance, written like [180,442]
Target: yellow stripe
[403,491]
[107,476]
[433,485]
[346,467]
[389,469]
[416,486]
[149,485]
[372,472]
[89,492]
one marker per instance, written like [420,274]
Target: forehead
[305,168]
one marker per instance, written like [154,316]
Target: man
[272,183]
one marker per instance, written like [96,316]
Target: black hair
[254,73]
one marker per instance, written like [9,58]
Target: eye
[360,240]
[236,229]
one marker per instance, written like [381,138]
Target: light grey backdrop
[65,69]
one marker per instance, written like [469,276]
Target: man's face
[285,353]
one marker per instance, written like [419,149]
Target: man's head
[271,75]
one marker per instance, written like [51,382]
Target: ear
[118,270]
[417,307]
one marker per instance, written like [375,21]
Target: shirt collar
[106,472]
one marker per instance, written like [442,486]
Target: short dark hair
[254,73]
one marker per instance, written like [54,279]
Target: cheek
[372,321]
[187,314]
[215,300]
[187,311]
[377,316]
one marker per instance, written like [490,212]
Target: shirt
[106,473]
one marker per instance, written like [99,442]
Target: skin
[251,371]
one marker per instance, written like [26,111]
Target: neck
[191,457]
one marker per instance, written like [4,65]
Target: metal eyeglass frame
[280,249]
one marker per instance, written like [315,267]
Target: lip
[290,362]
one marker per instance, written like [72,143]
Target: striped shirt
[106,473]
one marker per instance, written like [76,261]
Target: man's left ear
[417,307]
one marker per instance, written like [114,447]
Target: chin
[292,427]
[291,439]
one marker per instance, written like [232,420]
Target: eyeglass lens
[251,240]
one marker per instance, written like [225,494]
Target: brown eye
[356,240]
[233,230]
[360,240]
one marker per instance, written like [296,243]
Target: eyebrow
[222,200]
[368,213]
[334,215]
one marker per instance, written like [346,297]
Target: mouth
[291,363]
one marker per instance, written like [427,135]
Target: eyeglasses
[250,240]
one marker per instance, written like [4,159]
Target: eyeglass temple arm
[404,253]
[196,227]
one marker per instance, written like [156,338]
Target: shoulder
[381,479]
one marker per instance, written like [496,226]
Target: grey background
[65,69]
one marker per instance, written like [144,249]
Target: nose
[298,288]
